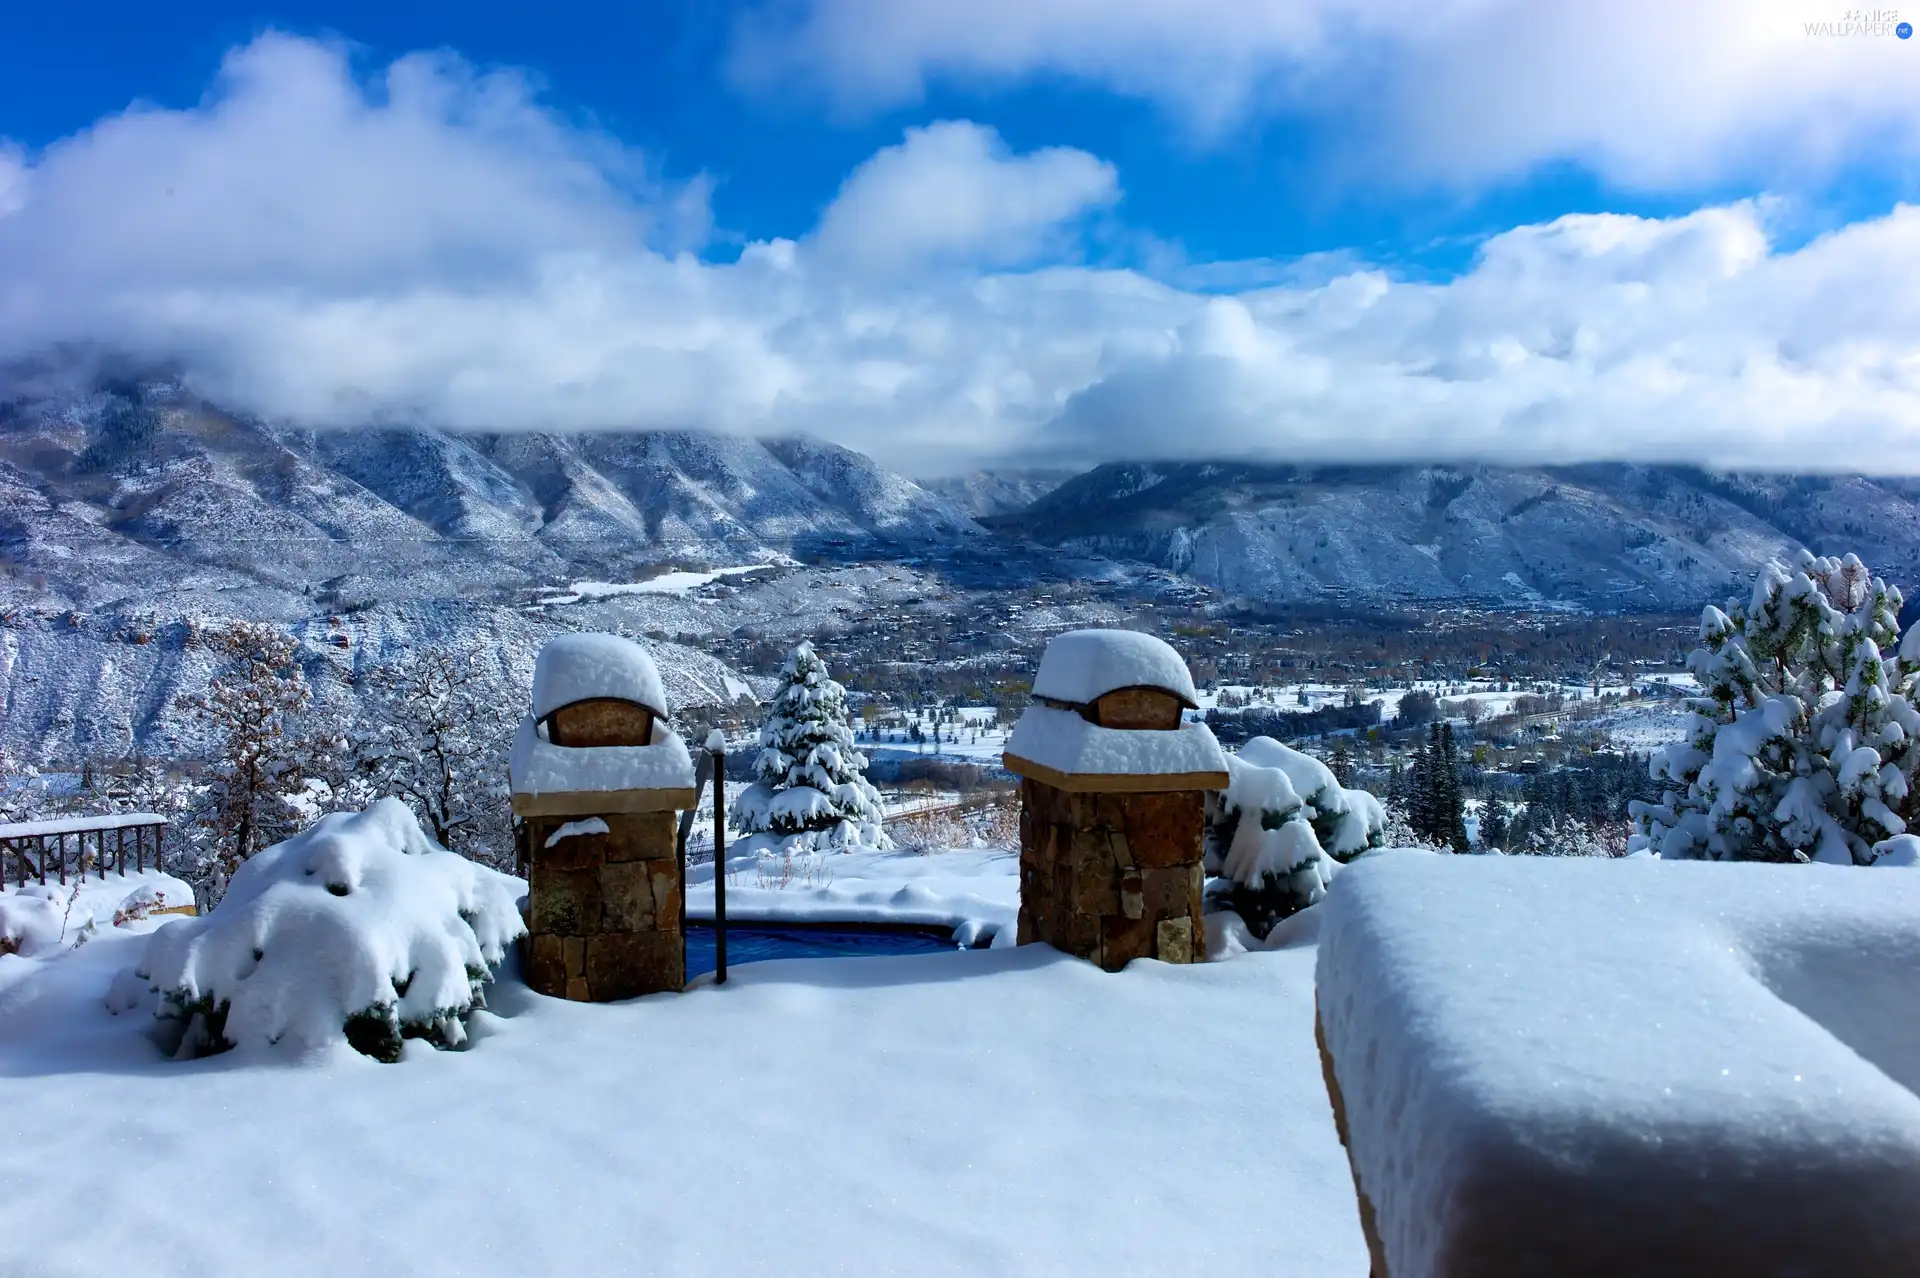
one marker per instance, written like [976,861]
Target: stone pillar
[604,915]
[1112,877]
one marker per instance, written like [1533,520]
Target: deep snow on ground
[1004,1111]
[38,919]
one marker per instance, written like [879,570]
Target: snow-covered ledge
[1083,665]
[1549,1065]
[1065,751]
[551,780]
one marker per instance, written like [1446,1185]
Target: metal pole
[717,747]
[63,860]
[702,773]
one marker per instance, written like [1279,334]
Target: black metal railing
[88,844]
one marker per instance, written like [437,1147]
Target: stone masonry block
[546,965]
[626,897]
[628,964]
[575,852]
[665,876]
[1123,940]
[1174,940]
[643,836]
[566,902]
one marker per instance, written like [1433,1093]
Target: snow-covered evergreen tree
[808,794]
[1436,810]
[1451,810]
[1277,830]
[1801,746]
[1493,825]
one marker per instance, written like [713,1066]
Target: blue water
[753,942]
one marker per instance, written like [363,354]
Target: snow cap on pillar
[573,668]
[1083,665]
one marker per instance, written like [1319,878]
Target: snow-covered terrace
[965,1113]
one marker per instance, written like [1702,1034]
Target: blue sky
[1096,218]
[654,75]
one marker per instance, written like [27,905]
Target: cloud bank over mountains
[436,244]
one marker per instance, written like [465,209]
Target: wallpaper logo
[1863,22]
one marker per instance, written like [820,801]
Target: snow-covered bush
[1801,746]
[33,919]
[808,794]
[360,928]
[1278,828]
[1345,822]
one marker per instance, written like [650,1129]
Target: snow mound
[33,920]
[47,919]
[537,766]
[1065,742]
[1081,665]
[360,930]
[574,668]
[1628,1065]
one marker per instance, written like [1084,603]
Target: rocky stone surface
[1111,877]
[604,917]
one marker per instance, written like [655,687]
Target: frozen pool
[753,942]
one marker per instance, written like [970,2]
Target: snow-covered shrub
[934,830]
[1345,822]
[1801,746]
[809,794]
[360,928]
[1278,828]
[33,919]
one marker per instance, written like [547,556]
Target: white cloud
[1646,92]
[436,247]
[951,193]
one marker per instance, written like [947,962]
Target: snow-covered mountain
[78,684]
[124,493]
[1603,537]
[127,488]
[998,492]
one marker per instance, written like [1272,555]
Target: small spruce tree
[1493,824]
[808,794]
